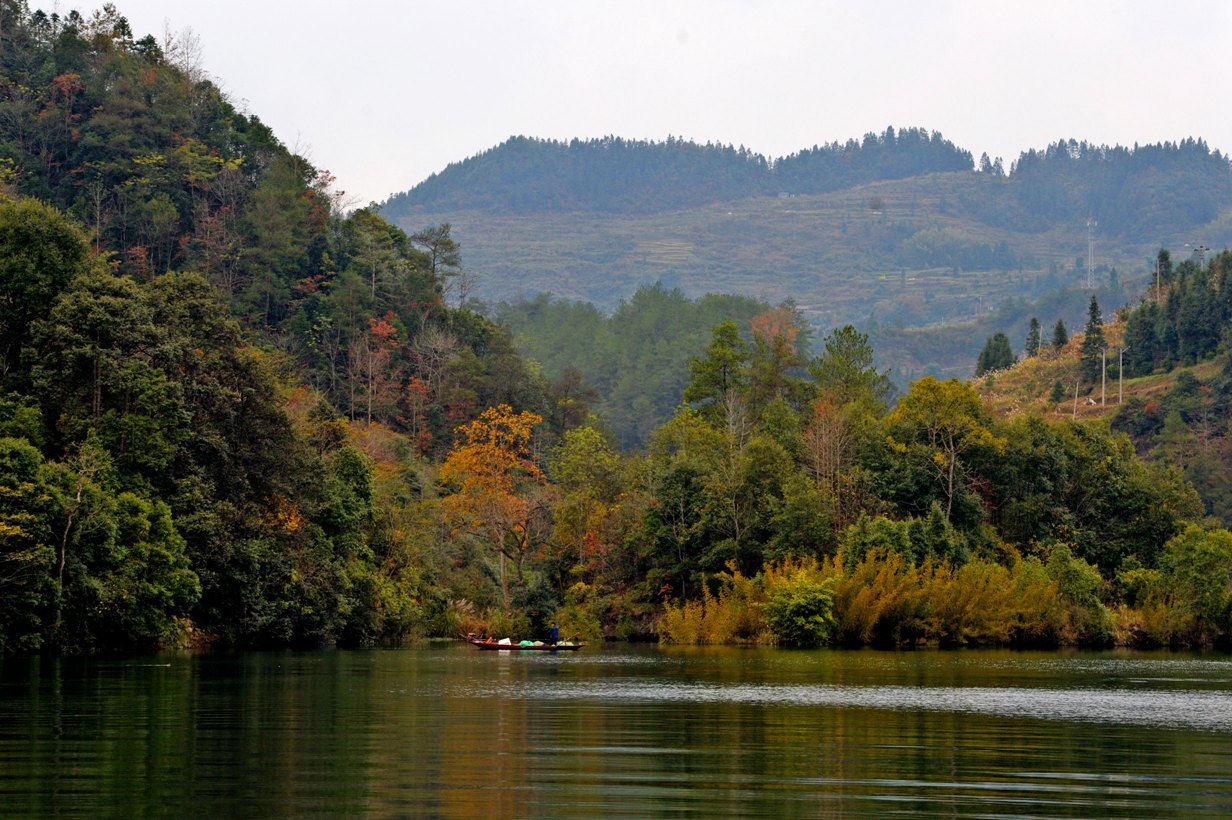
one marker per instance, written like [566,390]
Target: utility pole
[1121,375]
[1199,250]
[1157,291]
[1103,376]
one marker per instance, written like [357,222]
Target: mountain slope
[614,175]
[913,251]
[872,232]
[1172,396]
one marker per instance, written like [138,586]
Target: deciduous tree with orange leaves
[499,494]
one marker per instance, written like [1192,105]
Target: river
[618,730]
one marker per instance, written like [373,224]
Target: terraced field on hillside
[930,260]
[887,250]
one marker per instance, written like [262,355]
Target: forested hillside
[613,175]
[189,328]
[632,366]
[1186,325]
[1152,188]
[949,349]
[1144,191]
[230,413]
[165,175]
[900,228]
[1158,370]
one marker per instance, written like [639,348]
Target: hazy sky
[385,93]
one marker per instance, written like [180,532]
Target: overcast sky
[385,93]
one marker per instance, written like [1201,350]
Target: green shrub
[1078,582]
[800,612]
[1197,579]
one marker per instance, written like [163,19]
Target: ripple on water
[1191,709]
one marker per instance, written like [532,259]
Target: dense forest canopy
[1149,190]
[131,138]
[634,361]
[627,176]
[891,154]
[609,174]
[189,327]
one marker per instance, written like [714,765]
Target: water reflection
[1206,711]
[618,731]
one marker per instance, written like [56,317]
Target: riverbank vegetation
[884,600]
[232,413]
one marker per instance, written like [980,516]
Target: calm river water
[447,730]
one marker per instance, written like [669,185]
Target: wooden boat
[488,643]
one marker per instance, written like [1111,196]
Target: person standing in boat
[554,634]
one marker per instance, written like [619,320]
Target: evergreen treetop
[1060,336]
[1033,338]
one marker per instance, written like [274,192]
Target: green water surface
[447,730]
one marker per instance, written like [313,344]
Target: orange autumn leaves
[492,469]
[493,452]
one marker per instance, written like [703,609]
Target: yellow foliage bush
[879,601]
[1150,624]
[731,616]
[886,600]
[968,605]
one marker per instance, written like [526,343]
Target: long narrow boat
[482,643]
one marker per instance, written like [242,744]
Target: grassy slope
[1026,386]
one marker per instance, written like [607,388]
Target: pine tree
[996,355]
[719,377]
[1141,340]
[1163,268]
[1093,343]
[1033,338]
[1060,336]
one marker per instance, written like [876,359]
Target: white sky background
[385,93]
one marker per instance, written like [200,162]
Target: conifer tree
[1060,336]
[1033,338]
[996,355]
[719,378]
[1093,343]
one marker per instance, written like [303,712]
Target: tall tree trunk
[68,527]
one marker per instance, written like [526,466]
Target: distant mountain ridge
[615,175]
[1126,190]
[1129,192]
[900,233]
